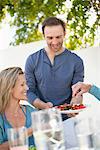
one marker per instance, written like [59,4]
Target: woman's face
[20,89]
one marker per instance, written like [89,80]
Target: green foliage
[2,9]
[32,148]
[83,34]
[27,16]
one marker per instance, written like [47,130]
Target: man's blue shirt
[52,83]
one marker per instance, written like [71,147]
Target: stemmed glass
[48,129]
[17,138]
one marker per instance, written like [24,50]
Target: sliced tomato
[69,106]
[81,106]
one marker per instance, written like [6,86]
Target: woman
[13,88]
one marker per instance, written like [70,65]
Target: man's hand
[49,105]
[42,105]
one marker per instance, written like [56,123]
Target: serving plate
[70,111]
[68,108]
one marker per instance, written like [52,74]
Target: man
[80,88]
[52,71]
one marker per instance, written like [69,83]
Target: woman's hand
[30,131]
[4,146]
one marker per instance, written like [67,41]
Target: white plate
[70,111]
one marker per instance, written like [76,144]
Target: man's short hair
[52,21]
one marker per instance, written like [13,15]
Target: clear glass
[96,141]
[96,134]
[84,133]
[48,129]
[17,138]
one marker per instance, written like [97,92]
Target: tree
[27,16]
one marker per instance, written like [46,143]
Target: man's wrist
[39,104]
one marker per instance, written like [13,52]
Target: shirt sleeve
[78,74]
[1,137]
[95,91]
[1,131]
[30,79]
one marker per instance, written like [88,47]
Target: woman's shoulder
[1,119]
[31,109]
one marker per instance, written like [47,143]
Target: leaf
[27,16]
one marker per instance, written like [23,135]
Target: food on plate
[72,107]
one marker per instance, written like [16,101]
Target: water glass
[48,129]
[84,133]
[17,138]
[96,132]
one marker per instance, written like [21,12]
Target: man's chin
[55,50]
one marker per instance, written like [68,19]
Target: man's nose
[54,41]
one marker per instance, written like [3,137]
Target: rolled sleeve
[78,71]
[30,79]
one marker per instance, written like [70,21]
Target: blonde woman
[13,88]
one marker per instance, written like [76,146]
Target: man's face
[54,36]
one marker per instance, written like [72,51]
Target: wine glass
[17,138]
[48,129]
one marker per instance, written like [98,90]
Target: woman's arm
[94,90]
[30,131]
[4,146]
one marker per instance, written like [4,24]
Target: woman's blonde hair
[8,79]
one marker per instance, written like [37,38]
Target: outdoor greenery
[27,16]
[32,148]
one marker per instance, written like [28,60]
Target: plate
[70,111]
